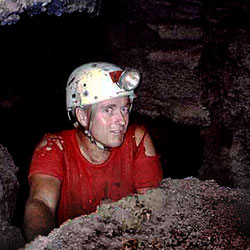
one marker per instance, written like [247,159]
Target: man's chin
[115,143]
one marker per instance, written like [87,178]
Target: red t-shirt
[85,185]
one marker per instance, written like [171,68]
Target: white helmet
[98,81]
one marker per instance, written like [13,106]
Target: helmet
[95,82]
[98,81]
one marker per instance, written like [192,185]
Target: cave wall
[10,11]
[195,91]
[10,236]
[194,59]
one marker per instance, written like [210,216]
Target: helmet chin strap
[92,140]
[87,131]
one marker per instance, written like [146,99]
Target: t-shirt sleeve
[147,169]
[48,158]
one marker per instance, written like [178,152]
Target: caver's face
[111,121]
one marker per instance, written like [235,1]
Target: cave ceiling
[10,10]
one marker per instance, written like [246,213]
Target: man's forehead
[116,101]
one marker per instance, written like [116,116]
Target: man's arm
[39,215]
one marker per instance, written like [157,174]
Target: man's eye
[125,110]
[108,110]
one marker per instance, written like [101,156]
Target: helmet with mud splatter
[99,81]
[94,82]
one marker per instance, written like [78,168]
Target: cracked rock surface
[10,10]
[180,214]
[10,236]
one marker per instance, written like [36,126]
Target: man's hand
[39,216]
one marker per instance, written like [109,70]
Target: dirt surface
[181,214]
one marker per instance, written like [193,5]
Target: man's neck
[89,150]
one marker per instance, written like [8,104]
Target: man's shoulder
[58,139]
[137,131]
[60,135]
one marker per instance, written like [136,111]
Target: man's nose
[120,118]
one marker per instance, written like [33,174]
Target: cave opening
[38,53]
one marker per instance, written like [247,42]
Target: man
[101,158]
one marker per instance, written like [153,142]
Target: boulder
[180,214]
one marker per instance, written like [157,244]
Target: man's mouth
[118,132]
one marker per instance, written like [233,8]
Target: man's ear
[82,116]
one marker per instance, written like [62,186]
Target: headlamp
[129,79]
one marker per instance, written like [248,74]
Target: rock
[10,236]
[8,184]
[10,10]
[188,57]
[227,97]
[180,214]
[178,32]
